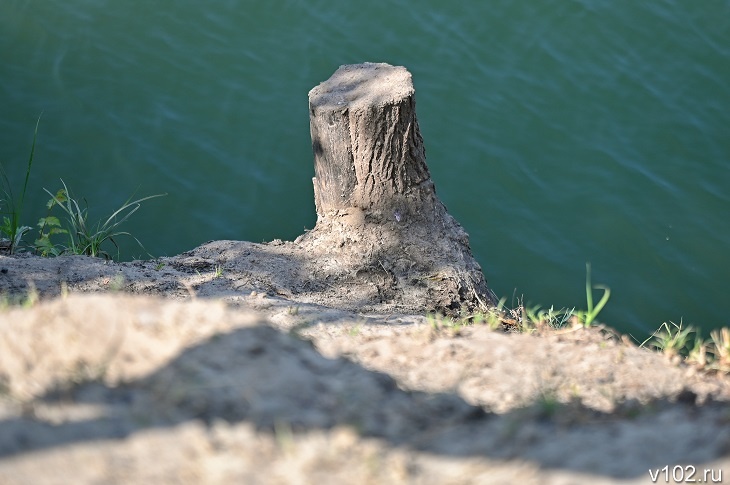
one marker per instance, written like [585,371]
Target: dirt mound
[370,274]
[130,389]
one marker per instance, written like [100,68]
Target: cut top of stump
[362,85]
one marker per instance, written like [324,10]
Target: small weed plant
[528,319]
[492,318]
[721,348]
[685,344]
[11,232]
[49,226]
[82,237]
[698,353]
[588,316]
[672,339]
[538,317]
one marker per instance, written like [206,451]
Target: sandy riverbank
[219,366]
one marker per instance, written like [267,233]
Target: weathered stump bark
[368,150]
[377,210]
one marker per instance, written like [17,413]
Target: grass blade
[30,163]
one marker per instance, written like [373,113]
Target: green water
[557,132]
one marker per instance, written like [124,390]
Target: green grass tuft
[84,238]
[672,340]
[588,316]
[12,208]
[721,348]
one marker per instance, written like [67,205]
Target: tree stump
[379,221]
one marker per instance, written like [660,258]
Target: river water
[557,132]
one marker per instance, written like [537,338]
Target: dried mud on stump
[252,380]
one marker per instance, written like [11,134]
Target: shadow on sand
[266,377]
